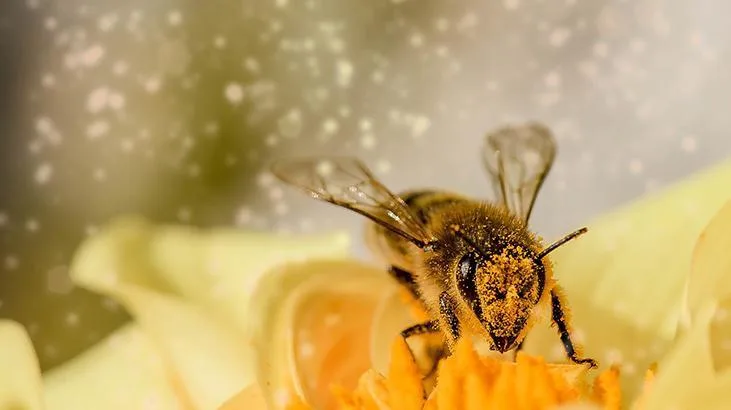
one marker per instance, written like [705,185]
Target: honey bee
[473,264]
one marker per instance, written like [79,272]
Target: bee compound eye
[466,277]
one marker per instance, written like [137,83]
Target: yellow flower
[282,320]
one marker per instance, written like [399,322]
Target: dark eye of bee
[466,271]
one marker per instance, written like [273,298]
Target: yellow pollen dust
[468,381]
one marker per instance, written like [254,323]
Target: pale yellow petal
[625,279]
[122,372]
[190,290]
[20,377]
[312,328]
[711,271]
[211,360]
[686,370]
[215,268]
[250,398]
[642,252]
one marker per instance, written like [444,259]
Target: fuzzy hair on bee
[474,265]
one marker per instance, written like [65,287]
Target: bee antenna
[552,247]
[458,232]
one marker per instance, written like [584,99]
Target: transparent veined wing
[518,158]
[346,182]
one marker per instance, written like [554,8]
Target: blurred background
[172,109]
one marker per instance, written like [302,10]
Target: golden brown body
[434,271]
[475,265]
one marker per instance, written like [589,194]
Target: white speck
[307,350]
[120,68]
[99,175]
[368,141]
[442,24]
[290,125]
[252,65]
[265,179]
[332,319]
[281,3]
[127,145]
[48,80]
[3,219]
[234,93]
[276,193]
[44,173]
[50,23]
[416,40]
[383,166]
[635,167]
[107,22]
[58,280]
[601,49]
[97,100]
[467,21]
[330,126]
[194,170]
[324,168]
[281,398]
[92,56]
[344,73]
[11,262]
[419,125]
[184,214]
[638,45]
[72,319]
[559,36]
[281,208]
[552,79]
[689,144]
[613,356]
[365,124]
[243,216]
[271,140]
[152,85]
[175,17]
[378,76]
[117,101]
[219,42]
[511,4]
[97,129]
[32,225]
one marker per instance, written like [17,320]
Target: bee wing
[518,160]
[346,182]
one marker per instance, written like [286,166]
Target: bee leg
[448,312]
[559,318]
[517,349]
[431,326]
[405,279]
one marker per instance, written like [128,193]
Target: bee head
[501,291]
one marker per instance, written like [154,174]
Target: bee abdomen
[394,249]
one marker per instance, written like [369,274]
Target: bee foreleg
[448,312]
[559,318]
[405,279]
[431,326]
[517,349]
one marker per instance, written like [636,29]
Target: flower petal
[215,268]
[647,244]
[311,328]
[190,291]
[691,357]
[639,253]
[20,376]
[251,398]
[121,372]
[711,273]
